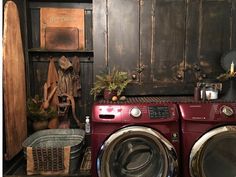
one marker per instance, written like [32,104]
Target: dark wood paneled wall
[39,58]
[164,43]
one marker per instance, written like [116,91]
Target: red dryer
[135,138]
[208,139]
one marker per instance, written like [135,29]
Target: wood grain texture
[62,17]
[13,82]
[169,41]
[208,37]
[146,36]
[233,26]
[173,42]
[99,35]
[62,38]
[123,34]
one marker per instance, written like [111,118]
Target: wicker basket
[54,151]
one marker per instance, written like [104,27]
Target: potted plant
[110,84]
[39,115]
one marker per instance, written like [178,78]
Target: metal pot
[211,94]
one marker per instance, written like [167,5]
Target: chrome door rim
[197,149]
[170,153]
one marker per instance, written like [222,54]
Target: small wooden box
[62,38]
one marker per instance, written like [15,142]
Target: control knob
[135,112]
[227,111]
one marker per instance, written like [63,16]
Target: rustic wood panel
[179,41]
[14,86]
[34,28]
[99,35]
[146,38]
[169,41]
[208,38]
[86,85]
[123,34]
[192,40]
[233,22]
[214,36]
[62,38]
[38,75]
[88,29]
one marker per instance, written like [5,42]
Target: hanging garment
[50,91]
[69,80]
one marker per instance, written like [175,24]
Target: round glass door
[214,154]
[137,151]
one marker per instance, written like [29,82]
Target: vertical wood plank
[146,38]
[123,34]
[35,28]
[215,35]
[88,29]
[169,41]
[86,85]
[233,27]
[208,37]
[99,35]
[193,18]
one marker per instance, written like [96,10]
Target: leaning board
[13,82]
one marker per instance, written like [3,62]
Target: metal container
[211,94]
[59,138]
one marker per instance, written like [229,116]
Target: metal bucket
[59,138]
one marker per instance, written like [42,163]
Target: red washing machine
[209,139]
[138,137]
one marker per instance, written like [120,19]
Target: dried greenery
[113,81]
[36,112]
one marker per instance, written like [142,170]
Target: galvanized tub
[56,139]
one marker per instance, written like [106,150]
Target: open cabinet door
[14,86]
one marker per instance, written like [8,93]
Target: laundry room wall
[163,43]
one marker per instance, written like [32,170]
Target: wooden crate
[62,38]
[62,17]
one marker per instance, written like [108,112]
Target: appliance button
[227,111]
[135,112]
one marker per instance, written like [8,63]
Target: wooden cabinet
[161,43]
[210,33]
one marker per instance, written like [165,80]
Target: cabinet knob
[196,67]
[179,76]
[204,76]
[134,76]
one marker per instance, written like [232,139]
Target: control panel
[209,112]
[156,112]
[133,113]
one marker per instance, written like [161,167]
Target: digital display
[156,112]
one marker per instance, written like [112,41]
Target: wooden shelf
[40,50]
[57,53]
